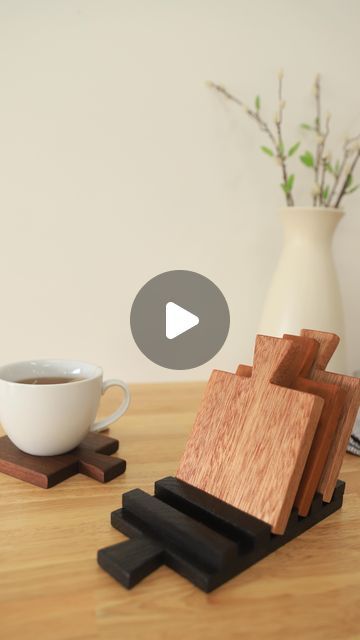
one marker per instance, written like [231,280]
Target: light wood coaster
[251,436]
[351,386]
[334,399]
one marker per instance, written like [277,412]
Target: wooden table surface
[51,587]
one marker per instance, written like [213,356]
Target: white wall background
[118,163]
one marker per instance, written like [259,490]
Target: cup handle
[103,424]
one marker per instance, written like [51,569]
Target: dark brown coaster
[92,458]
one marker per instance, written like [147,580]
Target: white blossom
[277,117]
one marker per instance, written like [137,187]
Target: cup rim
[98,372]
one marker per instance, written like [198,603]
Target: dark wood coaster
[201,537]
[92,458]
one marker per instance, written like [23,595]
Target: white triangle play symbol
[178,320]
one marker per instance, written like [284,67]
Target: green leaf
[288,185]
[290,181]
[306,126]
[329,168]
[293,149]
[307,159]
[257,103]
[325,193]
[349,180]
[281,148]
[353,189]
[267,150]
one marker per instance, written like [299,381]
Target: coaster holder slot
[197,535]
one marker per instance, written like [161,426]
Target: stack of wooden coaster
[260,466]
[268,437]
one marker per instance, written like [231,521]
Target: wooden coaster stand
[200,537]
[259,468]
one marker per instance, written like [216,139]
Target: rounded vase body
[304,292]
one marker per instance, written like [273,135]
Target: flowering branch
[338,172]
[280,143]
[324,160]
[318,155]
[342,173]
[253,114]
[276,139]
[346,188]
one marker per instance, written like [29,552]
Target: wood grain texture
[334,399]
[92,458]
[51,587]
[351,386]
[251,438]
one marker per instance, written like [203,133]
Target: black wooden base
[202,538]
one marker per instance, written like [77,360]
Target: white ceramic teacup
[50,419]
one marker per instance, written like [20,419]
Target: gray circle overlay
[196,294]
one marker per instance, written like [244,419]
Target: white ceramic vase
[304,292]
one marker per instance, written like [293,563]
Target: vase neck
[310,223]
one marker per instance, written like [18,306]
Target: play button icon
[179,319]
